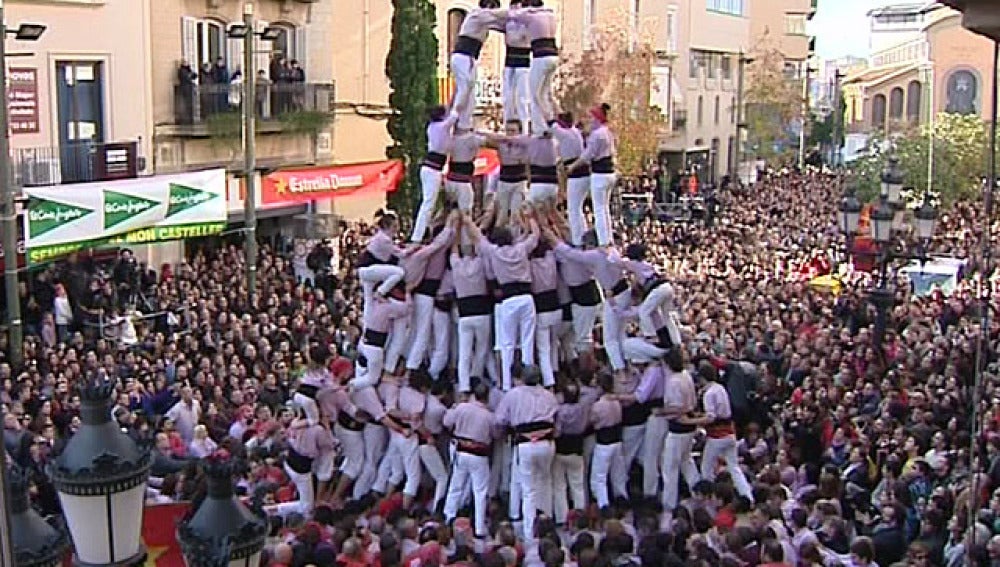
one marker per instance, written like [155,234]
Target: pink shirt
[382,247]
[311,441]
[383,313]
[605,412]
[510,263]
[544,273]
[470,420]
[527,404]
[468,275]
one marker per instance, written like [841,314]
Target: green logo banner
[45,215]
[183,198]
[120,207]
[136,237]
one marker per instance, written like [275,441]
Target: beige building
[76,89]
[946,68]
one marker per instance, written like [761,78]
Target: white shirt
[716,401]
[185,418]
[439,136]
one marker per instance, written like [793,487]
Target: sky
[841,27]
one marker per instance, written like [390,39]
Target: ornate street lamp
[892,181]
[36,542]
[926,220]
[101,480]
[881,222]
[222,531]
[850,214]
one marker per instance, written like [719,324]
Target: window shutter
[189,41]
[262,48]
[234,53]
[302,48]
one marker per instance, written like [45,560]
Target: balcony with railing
[76,162]
[205,110]
[679,121]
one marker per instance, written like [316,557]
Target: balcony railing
[77,162]
[680,120]
[196,104]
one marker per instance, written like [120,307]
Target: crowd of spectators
[857,457]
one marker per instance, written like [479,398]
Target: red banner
[487,162]
[304,185]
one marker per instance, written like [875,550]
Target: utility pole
[14,331]
[805,115]
[250,151]
[838,120]
[741,127]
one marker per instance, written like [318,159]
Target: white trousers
[577,189]
[500,472]
[656,311]
[725,448]
[371,374]
[473,348]
[380,277]
[515,327]
[464,70]
[405,451]
[461,193]
[608,463]
[652,453]
[677,460]
[601,186]
[309,407]
[567,475]
[432,461]
[441,325]
[468,468]
[543,105]
[546,329]
[304,487]
[430,184]
[632,438]
[516,97]
[399,341]
[515,501]
[543,193]
[375,439]
[509,198]
[614,328]
[535,472]
[421,322]
[567,341]
[352,447]
[584,317]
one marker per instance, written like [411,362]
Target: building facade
[74,93]
[945,69]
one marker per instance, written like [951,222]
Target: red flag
[159,534]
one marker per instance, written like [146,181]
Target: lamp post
[884,223]
[741,126]
[247,32]
[805,116]
[101,480]
[24,32]
[35,542]
[838,120]
[222,532]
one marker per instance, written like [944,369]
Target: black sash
[366,259]
[473,447]
[349,423]
[544,47]
[513,289]
[443,304]
[619,288]
[468,46]
[586,295]
[474,305]
[546,301]
[567,312]
[651,284]
[428,287]
[461,171]
[678,427]
[608,435]
[307,390]
[297,462]
[513,173]
[603,165]
[583,171]
[570,444]
[517,57]
[522,431]
[376,338]
[435,160]
[544,174]
[635,414]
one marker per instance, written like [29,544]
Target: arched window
[914,92]
[203,41]
[878,111]
[896,104]
[456,16]
[716,109]
[701,108]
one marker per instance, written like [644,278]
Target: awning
[316,183]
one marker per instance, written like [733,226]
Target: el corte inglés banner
[63,219]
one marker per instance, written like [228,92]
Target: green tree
[618,71]
[773,99]
[959,160]
[411,67]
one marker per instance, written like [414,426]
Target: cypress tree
[411,67]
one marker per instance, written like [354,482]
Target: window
[732,111]
[710,59]
[896,104]
[589,19]
[701,108]
[202,41]
[456,18]
[672,29]
[696,63]
[731,7]
[726,66]
[913,93]
[878,111]
[716,109]
[795,24]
